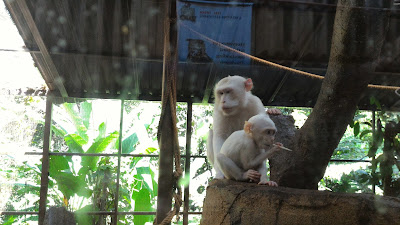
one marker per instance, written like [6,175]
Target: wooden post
[167,131]
[44,181]
[187,161]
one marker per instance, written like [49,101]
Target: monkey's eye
[227,91]
[220,93]
[271,132]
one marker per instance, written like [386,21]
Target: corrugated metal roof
[114,49]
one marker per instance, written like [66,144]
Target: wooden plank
[53,78]
[44,181]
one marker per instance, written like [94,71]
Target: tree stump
[232,202]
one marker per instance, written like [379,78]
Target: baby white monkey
[243,155]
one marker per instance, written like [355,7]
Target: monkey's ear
[248,127]
[248,84]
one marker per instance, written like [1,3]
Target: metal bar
[373,141]
[9,213]
[187,162]
[349,160]
[90,154]
[209,85]
[44,181]
[116,199]
[154,156]
[105,154]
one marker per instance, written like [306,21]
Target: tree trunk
[359,32]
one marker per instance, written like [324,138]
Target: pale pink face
[263,131]
[229,95]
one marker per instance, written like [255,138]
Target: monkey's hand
[274,111]
[252,175]
[269,183]
[277,146]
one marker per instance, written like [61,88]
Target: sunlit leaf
[97,147]
[77,120]
[150,150]
[128,144]
[75,143]
[82,218]
[58,163]
[143,203]
[85,112]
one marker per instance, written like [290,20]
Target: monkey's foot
[269,183]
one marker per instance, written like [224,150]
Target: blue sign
[204,27]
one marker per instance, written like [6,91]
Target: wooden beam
[44,181]
[48,70]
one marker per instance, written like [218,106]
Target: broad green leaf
[97,147]
[86,110]
[128,145]
[67,183]
[75,143]
[356,128]
[143,203]
[58,131]
[154,192]
[58,163]
[102,131]
[150,150]
[10,220]
[77,120]
[144,170]
[82,218]
[135,160]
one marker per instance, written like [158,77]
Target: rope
[170,94]
[263,61]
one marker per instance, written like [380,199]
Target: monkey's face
[262,130]
[264,138]
[228,101]
[230,95]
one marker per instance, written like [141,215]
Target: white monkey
[243,155]
[234,104]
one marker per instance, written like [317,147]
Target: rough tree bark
[359,30]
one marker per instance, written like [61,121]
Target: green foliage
[383,148]
[97,175]
[354,182]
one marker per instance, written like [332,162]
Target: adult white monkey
[234,104]
[243,155]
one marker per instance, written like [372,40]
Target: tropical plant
[384,148]
[95,181]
